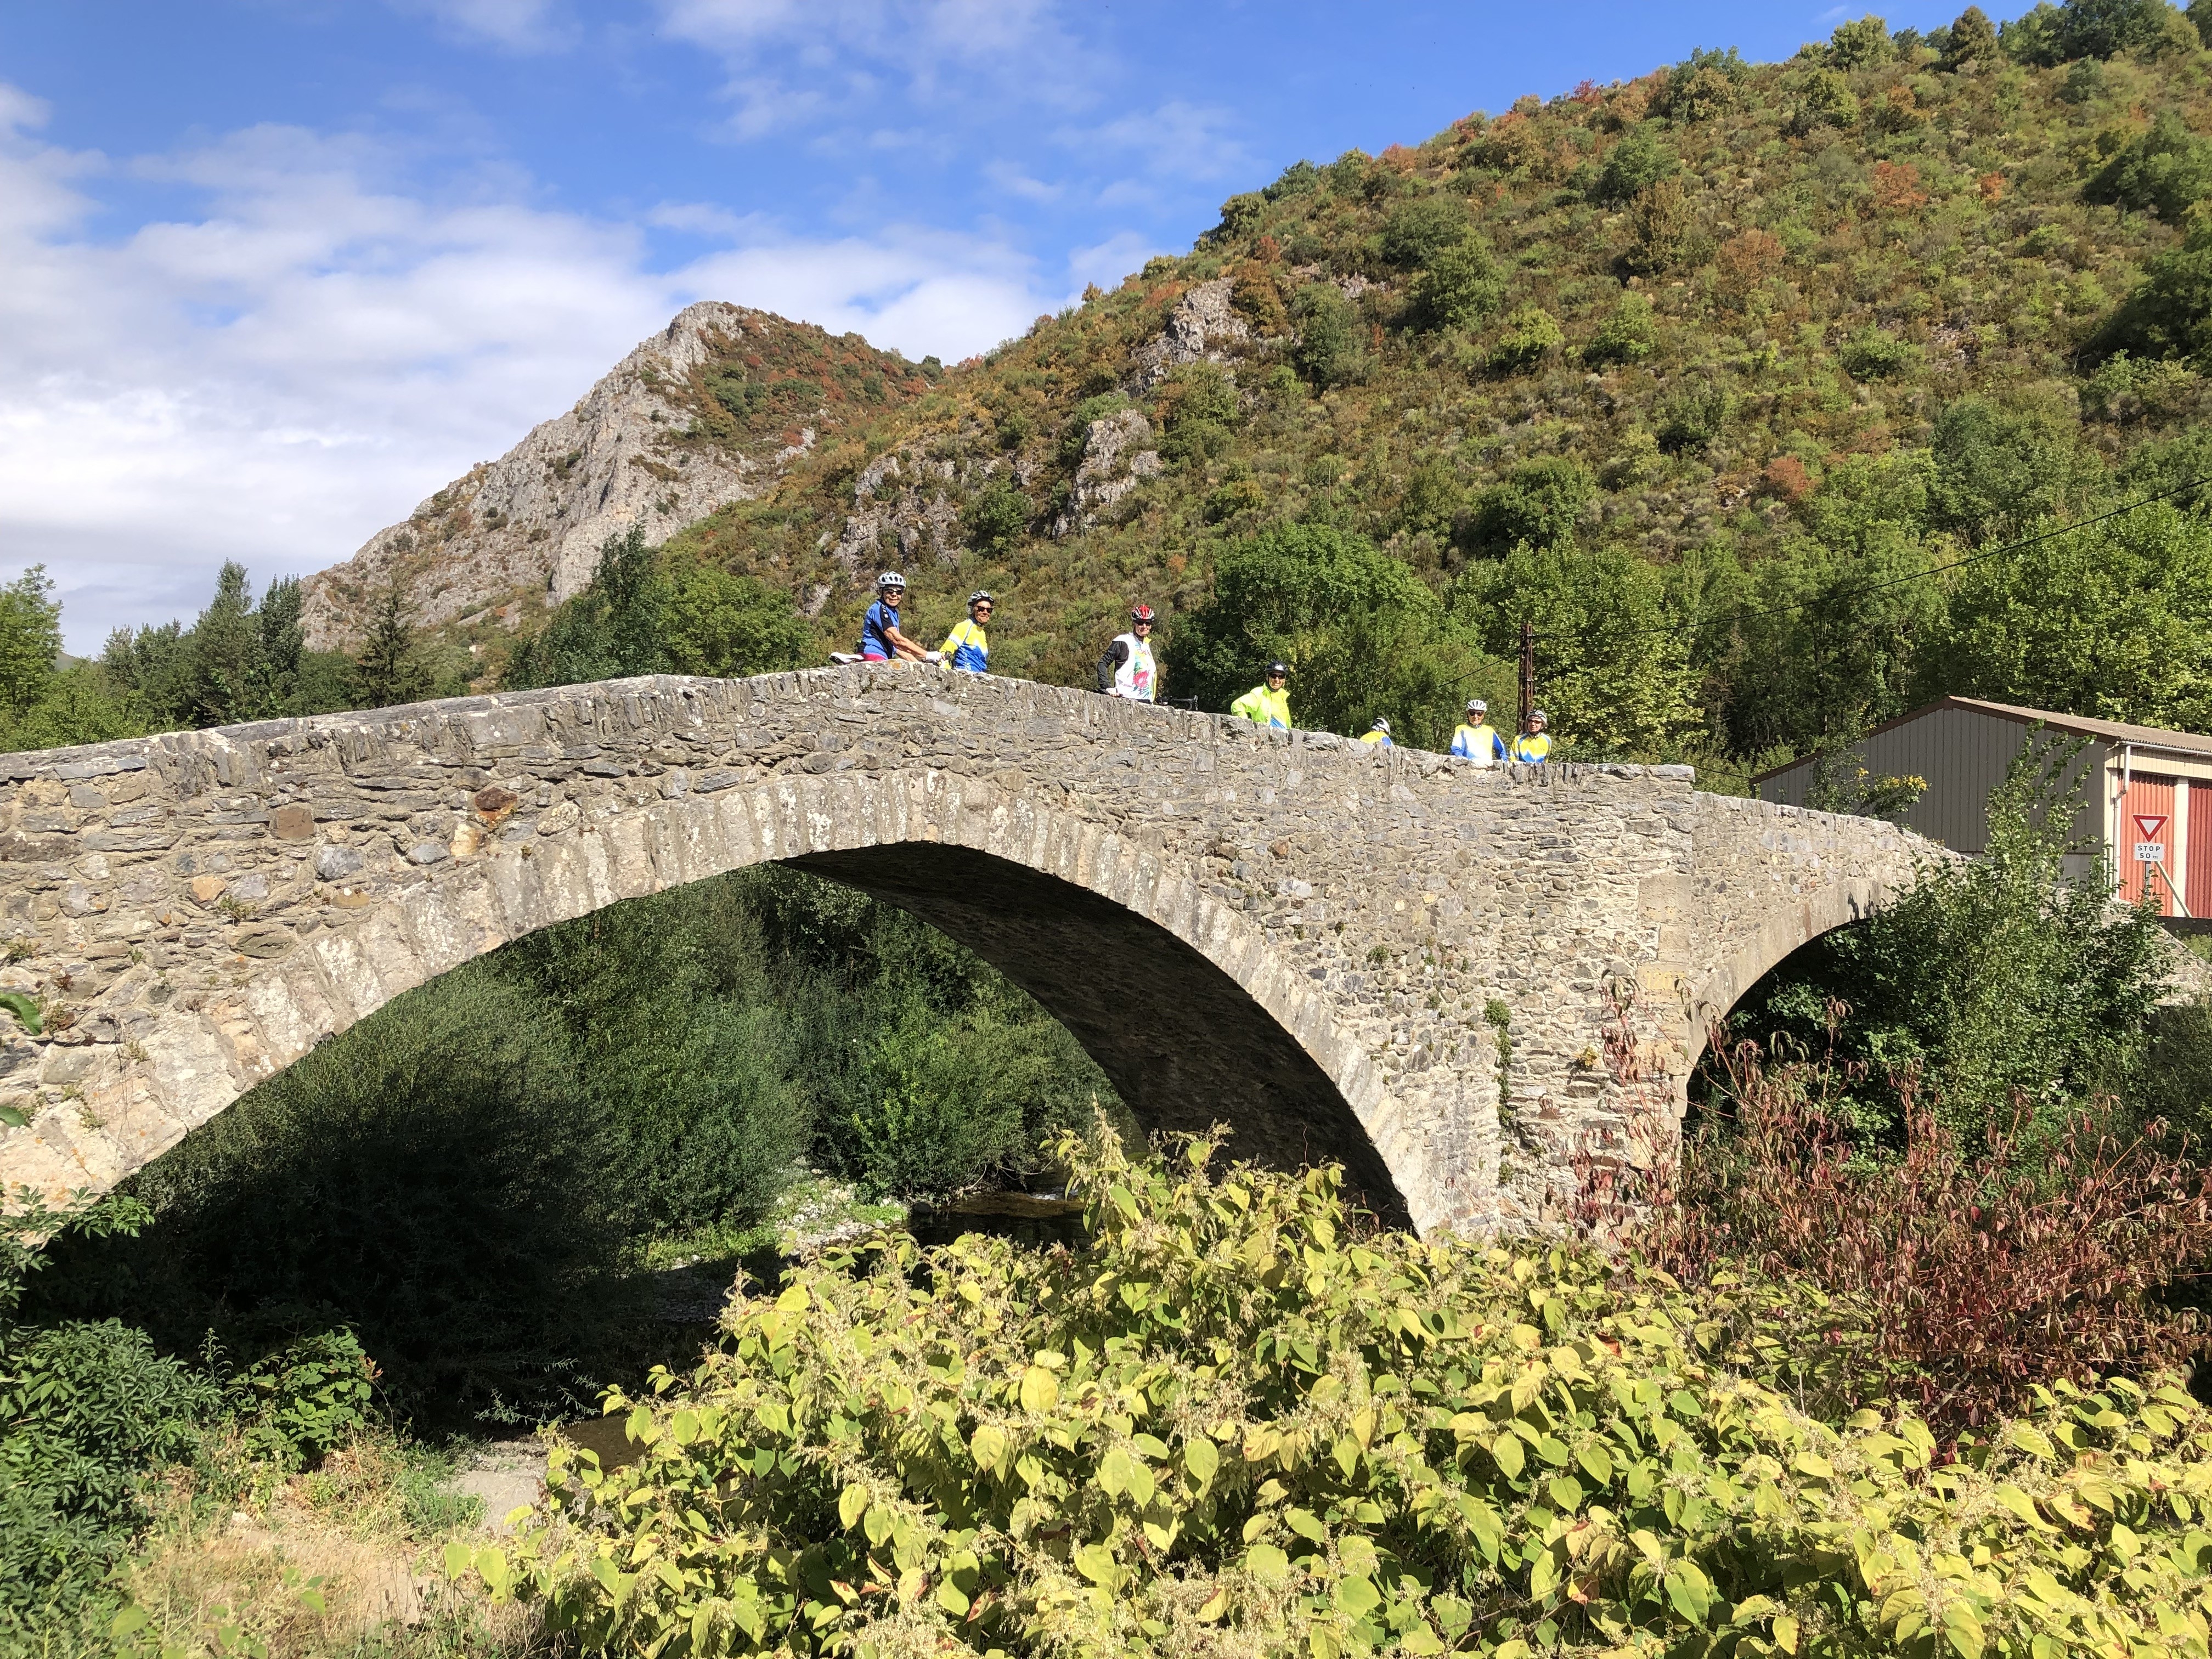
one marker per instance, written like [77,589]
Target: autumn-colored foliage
[1962,1282]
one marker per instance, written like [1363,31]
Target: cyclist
[966,646]
[1128,670]
[1267,703]
[880,638]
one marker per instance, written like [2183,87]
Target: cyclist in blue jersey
[966,648]
[880,638]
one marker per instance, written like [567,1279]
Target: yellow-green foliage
[1236,1424]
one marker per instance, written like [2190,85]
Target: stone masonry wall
[196,910]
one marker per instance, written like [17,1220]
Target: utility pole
[1527,673]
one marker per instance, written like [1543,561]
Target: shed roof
[2141,737]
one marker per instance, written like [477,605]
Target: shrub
[1329,351]
[1234,1423]
[1870,353]
[2122,390]
[1692,415]
[1527,336]
[436,1179]
[1629,333]
[996,519]
[1461,287]
[87,1408]
[1416,231]
[1968,1280]
[2166,168]
[1636,163]
[1993,983]
[2169,314]
[1539,506]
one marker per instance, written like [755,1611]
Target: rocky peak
[709,410]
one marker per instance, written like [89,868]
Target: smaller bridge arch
[1303,935]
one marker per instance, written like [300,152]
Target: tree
[1539,504]
[731,626]
[1973,40]
[1826,638]
[1634,165]
[1628,335]
[1998,470]
[2105,28]
[1612,668]
[30,641]
[1461,287]
[1861,43]
[223,652]
[388,671]
[2170,313]
[1418,231]
[1363,636]
[2166,168]
[1329,352]
[613,629]
[2112,620]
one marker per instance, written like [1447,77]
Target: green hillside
[1692,368]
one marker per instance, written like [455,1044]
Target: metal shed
[2146,815]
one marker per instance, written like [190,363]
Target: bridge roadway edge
[1327,923]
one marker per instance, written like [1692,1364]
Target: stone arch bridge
[1306,936]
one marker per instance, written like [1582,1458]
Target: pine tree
[387,670]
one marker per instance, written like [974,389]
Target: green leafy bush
[2166,168]
[1236,1424]
[1628,334]
[1329,350]
[1539,506]
[1527,336]
[1416,231]
[1634,164]
[1461,287]
[1874,353]
[1993,986]
[2169,314]
[1861,43]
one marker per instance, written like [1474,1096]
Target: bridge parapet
[1296,933]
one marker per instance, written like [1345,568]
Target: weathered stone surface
[1293,933]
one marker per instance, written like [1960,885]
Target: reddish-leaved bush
[1957,1282]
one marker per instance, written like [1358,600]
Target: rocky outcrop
[709,411]
[1200,327]
[1117,457]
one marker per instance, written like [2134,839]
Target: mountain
[1714,374]
[712,410]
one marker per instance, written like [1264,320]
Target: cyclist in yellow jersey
[966,648]
[1269,703]
[1534,746]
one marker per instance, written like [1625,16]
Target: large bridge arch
[1311,938]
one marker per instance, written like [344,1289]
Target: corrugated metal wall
[1963,753]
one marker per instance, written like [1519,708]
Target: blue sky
[279,271]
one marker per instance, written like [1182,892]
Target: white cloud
[316,345]
[796,64]
[1108,262]
[529,26]
[1179,139]
[1013,181]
